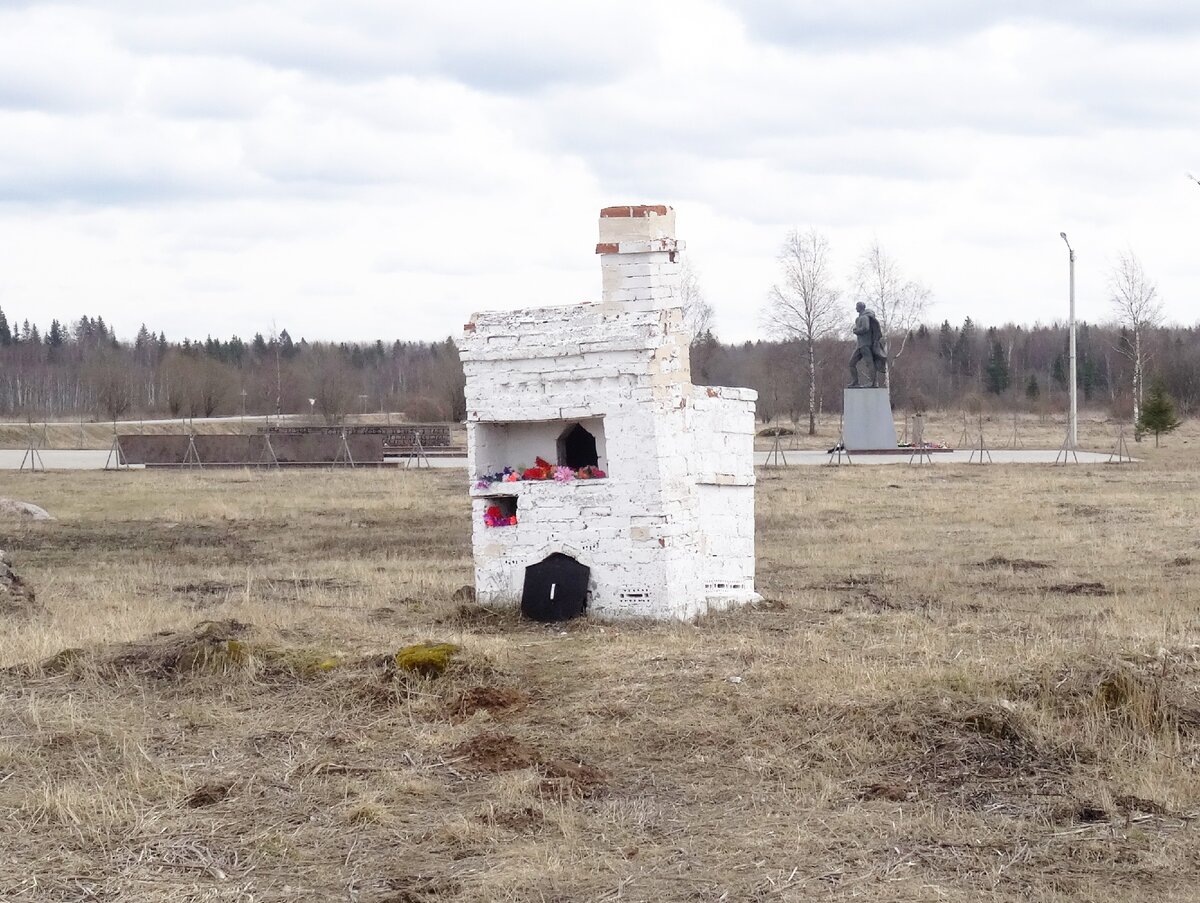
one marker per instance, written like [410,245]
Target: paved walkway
[998,456]
[93,459]
[56,459]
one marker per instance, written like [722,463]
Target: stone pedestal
[867,423]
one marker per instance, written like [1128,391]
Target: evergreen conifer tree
[1032,389]
[996,376]
[5,332]
[1058,371]
[1158,412]
[964,349]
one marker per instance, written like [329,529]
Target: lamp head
[1063,235]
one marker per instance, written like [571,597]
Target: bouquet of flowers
[494,517]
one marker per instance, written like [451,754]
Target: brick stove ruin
[605,388]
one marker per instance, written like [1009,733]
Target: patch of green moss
[303,662]
[426,659]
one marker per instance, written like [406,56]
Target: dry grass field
[966,683]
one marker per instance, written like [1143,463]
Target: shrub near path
[919,710]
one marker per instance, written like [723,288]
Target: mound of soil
[973,753]
[209,646]
[17,598]
[489,699]
[565,777]
[494,753]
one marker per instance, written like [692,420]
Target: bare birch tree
[697,313]
[804,306]
[899,303]
[1135,301]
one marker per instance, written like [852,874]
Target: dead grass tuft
[17,598]
[1151,696]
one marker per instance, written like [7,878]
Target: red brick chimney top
[632,211]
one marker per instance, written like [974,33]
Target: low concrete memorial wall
[435,437]
[319,448]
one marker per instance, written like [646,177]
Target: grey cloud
[516,50]
[823,25]
[106,189]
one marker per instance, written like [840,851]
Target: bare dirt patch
[1014,564]
[487,699]
[1080,588]
[208,794]
[496,752]
[971,754]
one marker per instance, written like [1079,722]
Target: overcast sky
[382,168]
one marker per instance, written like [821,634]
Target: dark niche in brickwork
[577,448]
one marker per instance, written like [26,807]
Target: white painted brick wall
[670,532]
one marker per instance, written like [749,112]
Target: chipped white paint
[670,532]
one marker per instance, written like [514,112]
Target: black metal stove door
[555,589]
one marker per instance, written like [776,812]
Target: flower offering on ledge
[494,517]
[542,471]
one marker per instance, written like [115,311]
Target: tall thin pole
[1073,423]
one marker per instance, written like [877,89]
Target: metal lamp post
[1073,422]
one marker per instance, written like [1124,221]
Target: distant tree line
[84,369]
[952,366]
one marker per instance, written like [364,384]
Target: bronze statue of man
[869,347]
